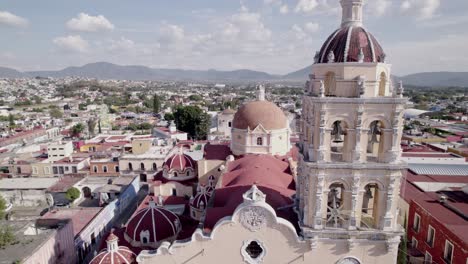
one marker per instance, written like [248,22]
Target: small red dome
[114,253]
[180,162]
[346,44]
[201,199]
[152,225]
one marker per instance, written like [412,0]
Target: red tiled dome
[114,254]
[180,162]
[152,225]
[200,200]
[346,44]
[255,113]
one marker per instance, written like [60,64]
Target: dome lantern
[352,13]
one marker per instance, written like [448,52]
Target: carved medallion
[253,218]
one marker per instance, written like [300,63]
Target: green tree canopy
[55,113]
[156,104]
[72,194]
[193,120]
[77,129]
[3,206]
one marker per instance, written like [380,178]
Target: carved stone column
[319,197]
[388,218]
[388,139]
[354,201]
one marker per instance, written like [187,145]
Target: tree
[169,116]
[156,104]
[193,120]
[11,120]
[7,237]
[55,113]
[72,194]
[77,129]
[91,126]
[3,206]
[99,127]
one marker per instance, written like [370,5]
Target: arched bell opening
[338,141]
[375,141]
[370,206]
[337,206]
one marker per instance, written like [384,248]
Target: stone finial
[331,57]
[261,92]
[322,89]
[361,56]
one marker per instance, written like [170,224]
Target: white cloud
[9,19]
[424,9]
[171,34]
[444,54]
[284,9]
[311,27]
[378,7]
[123,44]
[72,43]
[86,23]
[306,6]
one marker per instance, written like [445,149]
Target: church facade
[330,199]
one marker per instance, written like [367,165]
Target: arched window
[259,141]
[142,166]
[155,168]
[370,206]
[130,166]
[382,84]
[104,168]
[117,169]
[336,213]
[95,169]
[330,84]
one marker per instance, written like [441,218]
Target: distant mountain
[10,73]
[435,79]
[105,70]
[300,75]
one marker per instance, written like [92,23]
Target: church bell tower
[350,170]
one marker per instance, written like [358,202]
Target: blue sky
[276,36]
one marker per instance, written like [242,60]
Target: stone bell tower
[350,170]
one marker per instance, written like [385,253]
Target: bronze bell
[337,133]
[374,131]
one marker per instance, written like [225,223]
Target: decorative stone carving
[253,218]
[361,56]
[331,57]
[361,84]
[349,260]
[322,89]
[400,90]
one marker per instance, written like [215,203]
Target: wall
[58,249]
[460,251]
[105,219]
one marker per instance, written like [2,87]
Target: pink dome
[152,225]
[346,44]
[180,162]
[114,254]
[201,199]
